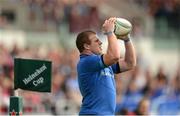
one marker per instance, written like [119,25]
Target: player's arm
[129,62]
[113,52]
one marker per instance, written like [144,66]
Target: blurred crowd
[79,14]
[166,15]
[139,91]
[85,14]
[64,82]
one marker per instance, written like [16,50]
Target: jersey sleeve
[116,68]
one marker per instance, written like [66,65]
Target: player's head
[87,41]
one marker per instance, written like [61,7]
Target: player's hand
[109,25]
[124,38]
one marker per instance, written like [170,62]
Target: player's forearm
[113,47]
[113,53]
[130,55]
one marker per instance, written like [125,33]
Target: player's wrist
[127,40]
[109,33]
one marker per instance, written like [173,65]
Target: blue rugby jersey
[97,85]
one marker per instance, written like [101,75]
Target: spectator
[143,107]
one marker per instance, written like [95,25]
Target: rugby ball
[122,27]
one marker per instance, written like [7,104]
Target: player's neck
[86,52]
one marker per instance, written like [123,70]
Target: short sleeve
[116,68]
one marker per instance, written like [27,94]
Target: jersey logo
[106,73]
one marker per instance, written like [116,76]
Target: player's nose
[100,42]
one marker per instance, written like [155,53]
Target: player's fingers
[105,22]
[112,18]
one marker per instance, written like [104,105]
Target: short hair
[83,38]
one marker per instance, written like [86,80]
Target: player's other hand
[124,37]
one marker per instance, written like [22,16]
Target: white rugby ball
[122,27]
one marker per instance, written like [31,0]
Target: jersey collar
[84,55]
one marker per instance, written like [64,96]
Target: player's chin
[99,52]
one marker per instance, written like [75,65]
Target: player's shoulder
[91,56]
[88,59]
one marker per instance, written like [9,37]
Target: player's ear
[86,46]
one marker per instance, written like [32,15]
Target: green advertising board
[32,74]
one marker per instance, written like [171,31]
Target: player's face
[95,45]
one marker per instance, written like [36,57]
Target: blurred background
[47,29]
